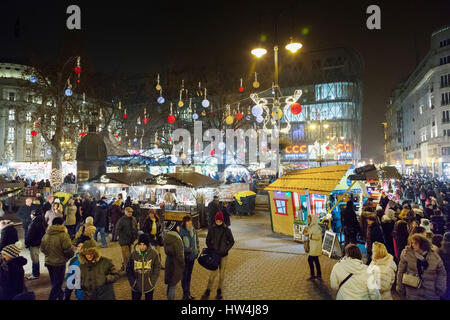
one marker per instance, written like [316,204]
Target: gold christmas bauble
[255,84]
[180,103]
[158,87]
[229,120]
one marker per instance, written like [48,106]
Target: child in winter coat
[143,269]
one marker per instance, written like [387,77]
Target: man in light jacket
[350,278]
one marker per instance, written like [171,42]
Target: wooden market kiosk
[288,195]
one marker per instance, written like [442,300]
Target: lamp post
[259,52]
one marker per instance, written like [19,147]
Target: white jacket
[360,286]
[384,271]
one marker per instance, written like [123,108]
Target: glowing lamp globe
[68,92]
[229,120]
[241,89]
[195,116]
[259,52]
[33,133]
[180,103]
[205,103]
[277,114]
[296,108]
[293,46]
[259,119]
[33,79]
[161,100]
[171,118]
[238,116]
[77,70]
[255,84]
[257,110]
[222,146]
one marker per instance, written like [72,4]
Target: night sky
[135,37]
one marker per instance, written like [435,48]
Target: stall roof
[386,172]
[194,179]
[129,178]
[321,180]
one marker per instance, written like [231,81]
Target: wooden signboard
[174,215]
[83,175]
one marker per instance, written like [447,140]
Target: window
[445,98]
[444,60]
[444,43]
[11,96]
[444,80]
[28,116]
[28,152]
[280,206]
[445,117]
[445,151]
[28,135]
[12,114]
[11,134]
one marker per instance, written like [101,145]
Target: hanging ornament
[203,113]
[257,110]
[33,133]
[273,88]
[77,70]
[138,121]
[256,83]
[212,152]
[248,118]
[229,120]
[238,116]
[277,113]
[259,119]
[195,116]
[180,102]
[171,117]
[120,105]
[126,132]
[241,88]
[84,98]
[190,105]
[205,102]
[296,108]
[182,156]
[160,99]
[68,91]
[158,86]
[145,118]
[222,146]
[33,79]
[38,123]
[125,113]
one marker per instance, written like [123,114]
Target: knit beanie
[12,250]
[446,237]
[219,216]
[144,238]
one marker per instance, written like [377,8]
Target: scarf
[422,263]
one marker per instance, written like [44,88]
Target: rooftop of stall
[282,192]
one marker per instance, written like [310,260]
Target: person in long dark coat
[400,237]
[387,224]
[374,234]
[174,249]
[350,223]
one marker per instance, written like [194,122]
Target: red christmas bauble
[296,108]
[117,137]
[170,138]
[38,123]
[241,89]
[171,118]
[238,116]
[212,111]
[327,147]
[78,81]
[145,120]
[212,152]
[77,70]
[264,149]
[33,133]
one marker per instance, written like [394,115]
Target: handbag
[411,280]
[306,245]
[209,259]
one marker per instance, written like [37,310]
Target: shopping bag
[209,259]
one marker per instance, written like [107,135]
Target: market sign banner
[83,175]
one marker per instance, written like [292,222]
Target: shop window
[281,206]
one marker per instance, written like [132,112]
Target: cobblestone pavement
[262,265]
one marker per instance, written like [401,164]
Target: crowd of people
[407,241]
[68,237]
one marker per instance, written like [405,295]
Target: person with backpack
[191,252]
[88,229]
[220,239]
[143,269]
[349,277]
[33,239]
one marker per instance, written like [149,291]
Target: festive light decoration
[125,113]
[241,88]
[259,119]
[277,114]
[229,120]
[68,92]
[222,146]
[203,113]
[33,79]
[296,108]
[180,102]
[205,102]
[257,110]
[160,99]
[256,83]
[259,52]
[77,70]
[120,105]
[171,118]
[145,120]
[212,152]
[238,116]
[38,123]
[195,116]
[248,118]
[33,133]
[158,86]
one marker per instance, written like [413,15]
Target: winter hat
[12,250]
[446,237]
[219,216]
[426,224]
[391,214]
[144,238]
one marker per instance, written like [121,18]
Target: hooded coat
[444,253]
[8,236]
[143,269]
[100,215]
[384,271]
[356,287]
[57,246]
[98,275]
[116,212]
[434,278]
[174,249]
[12,280]
[350,222]
[314,235]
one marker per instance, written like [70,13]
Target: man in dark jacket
[100,221]
[86,207]
[213,208]
[8,234]
[11,273]
[438,222]
[36,232]
[116,213]
[97,273]
[174,267]
[127,232]
[374,234]
[24,214]
[57,247]
[221,240]
[350,224]
[444,253]
[48,204]
[143,269]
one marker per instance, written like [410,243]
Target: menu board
[328,242]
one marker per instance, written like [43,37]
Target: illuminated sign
[343,147]
[296,149]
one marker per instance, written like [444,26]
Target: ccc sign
[296,149]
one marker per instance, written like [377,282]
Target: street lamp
[293,46]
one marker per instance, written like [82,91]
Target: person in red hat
[221,240]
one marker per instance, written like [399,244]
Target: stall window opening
[281,205]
